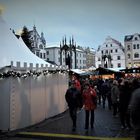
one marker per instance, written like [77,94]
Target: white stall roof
[13,49]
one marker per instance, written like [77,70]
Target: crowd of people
[121,96]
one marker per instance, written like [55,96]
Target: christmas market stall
[131,72]
[106,73]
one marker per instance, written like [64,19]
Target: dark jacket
[73,98]
[135,107]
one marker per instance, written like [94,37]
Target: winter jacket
[74,98]
[89,99]
[115,94]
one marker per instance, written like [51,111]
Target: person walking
[124,100]
[74,100]
[89,102]
[134,107]
[115,97]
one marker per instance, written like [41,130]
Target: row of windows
[136,55]
[107,45]
[118,65]
[118,58]
[80,55]
[109,51]
[135,46]
[41,55]
[80,61]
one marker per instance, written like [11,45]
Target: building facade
[53,55]
[110,54]
[38,43]
[132,50]
[90,57]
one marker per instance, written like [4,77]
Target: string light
[29,73]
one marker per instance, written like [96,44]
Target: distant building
[53,55]
[132,50]
[90,57]
[38,43]
[110,54]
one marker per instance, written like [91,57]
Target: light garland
[29,73]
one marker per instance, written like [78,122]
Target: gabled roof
[13,49]
[129,37]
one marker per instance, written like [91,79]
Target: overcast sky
[89,21]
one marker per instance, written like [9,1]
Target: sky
[88,21]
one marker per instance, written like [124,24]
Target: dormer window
[136,38]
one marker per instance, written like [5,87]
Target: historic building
[132,50]
[110,54]
[90,57]
[58,54]
[38,43]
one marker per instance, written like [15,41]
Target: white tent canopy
[15,50]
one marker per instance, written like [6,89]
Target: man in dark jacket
[74,100]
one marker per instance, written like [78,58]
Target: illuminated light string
[30,73]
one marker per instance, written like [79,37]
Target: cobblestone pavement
[60,126]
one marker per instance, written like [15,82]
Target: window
[128,56]
[47,52]
[37,53]
[116,50]
[136,38]
[111,51]
[99,59]
[111,65]
[136,55]
[118,57]
[128,47]
[106,45]
[137,46]
[119,65]
[44,55]
[47,59]
[134,46]
[106,51]
[111,45]
[102,52]
[41,46]
[40,55]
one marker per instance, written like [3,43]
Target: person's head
[115,82]
[87,86]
